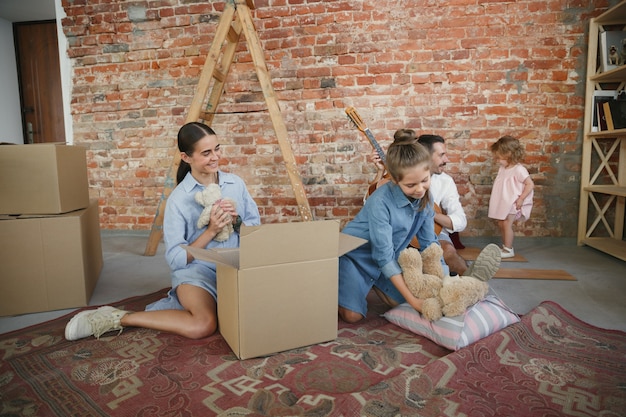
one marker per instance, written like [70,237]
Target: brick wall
[470,70]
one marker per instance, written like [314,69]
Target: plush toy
[446,295]
[422,275]
[212,194]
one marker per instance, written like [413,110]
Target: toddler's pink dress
[507,187]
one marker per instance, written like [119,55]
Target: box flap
[228,308]
[348,243]
[224,256]
[278,243]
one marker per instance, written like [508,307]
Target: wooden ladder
[236,18]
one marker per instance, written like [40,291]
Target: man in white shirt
[446,196]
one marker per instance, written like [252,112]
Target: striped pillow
[480,320]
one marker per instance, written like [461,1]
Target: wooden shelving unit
[603,170]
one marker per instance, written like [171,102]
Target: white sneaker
[486,264]
[94,322]
[507,252]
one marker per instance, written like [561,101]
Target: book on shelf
[598,118]
[615,114]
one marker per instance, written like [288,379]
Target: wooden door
[39,74]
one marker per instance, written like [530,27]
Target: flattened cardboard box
[43,178]
[279,290]
[49,263]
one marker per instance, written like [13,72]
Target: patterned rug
[549,364]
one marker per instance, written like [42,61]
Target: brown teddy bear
[446,295]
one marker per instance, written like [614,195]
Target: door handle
[29,132]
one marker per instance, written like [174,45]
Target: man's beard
[440,169]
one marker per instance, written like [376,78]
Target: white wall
[10,117]
[66,73]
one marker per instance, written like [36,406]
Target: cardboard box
[43,178]
[279,290]
[49,263]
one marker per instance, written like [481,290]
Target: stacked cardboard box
[50,247]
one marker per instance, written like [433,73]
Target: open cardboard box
[279,289]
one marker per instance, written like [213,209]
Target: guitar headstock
[356,118]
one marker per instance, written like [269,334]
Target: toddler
[512,193]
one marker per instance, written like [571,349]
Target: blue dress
[179,228]
[388,220]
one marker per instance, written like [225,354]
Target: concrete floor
[597,296]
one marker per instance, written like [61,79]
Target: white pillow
[480,320]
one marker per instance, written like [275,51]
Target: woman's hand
[220,217]
[228,207]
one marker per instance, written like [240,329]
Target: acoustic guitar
[382,177]
[355,118]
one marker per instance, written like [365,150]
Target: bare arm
[398,282]
[529,185]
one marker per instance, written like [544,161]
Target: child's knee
[349,316]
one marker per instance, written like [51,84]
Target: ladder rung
[219,75]
[205,115]
[233,34]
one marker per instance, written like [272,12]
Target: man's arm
[453,218]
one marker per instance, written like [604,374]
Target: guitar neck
[375,144]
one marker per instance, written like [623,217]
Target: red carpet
[549,364]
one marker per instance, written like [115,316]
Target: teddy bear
[212,194]
[446,295]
